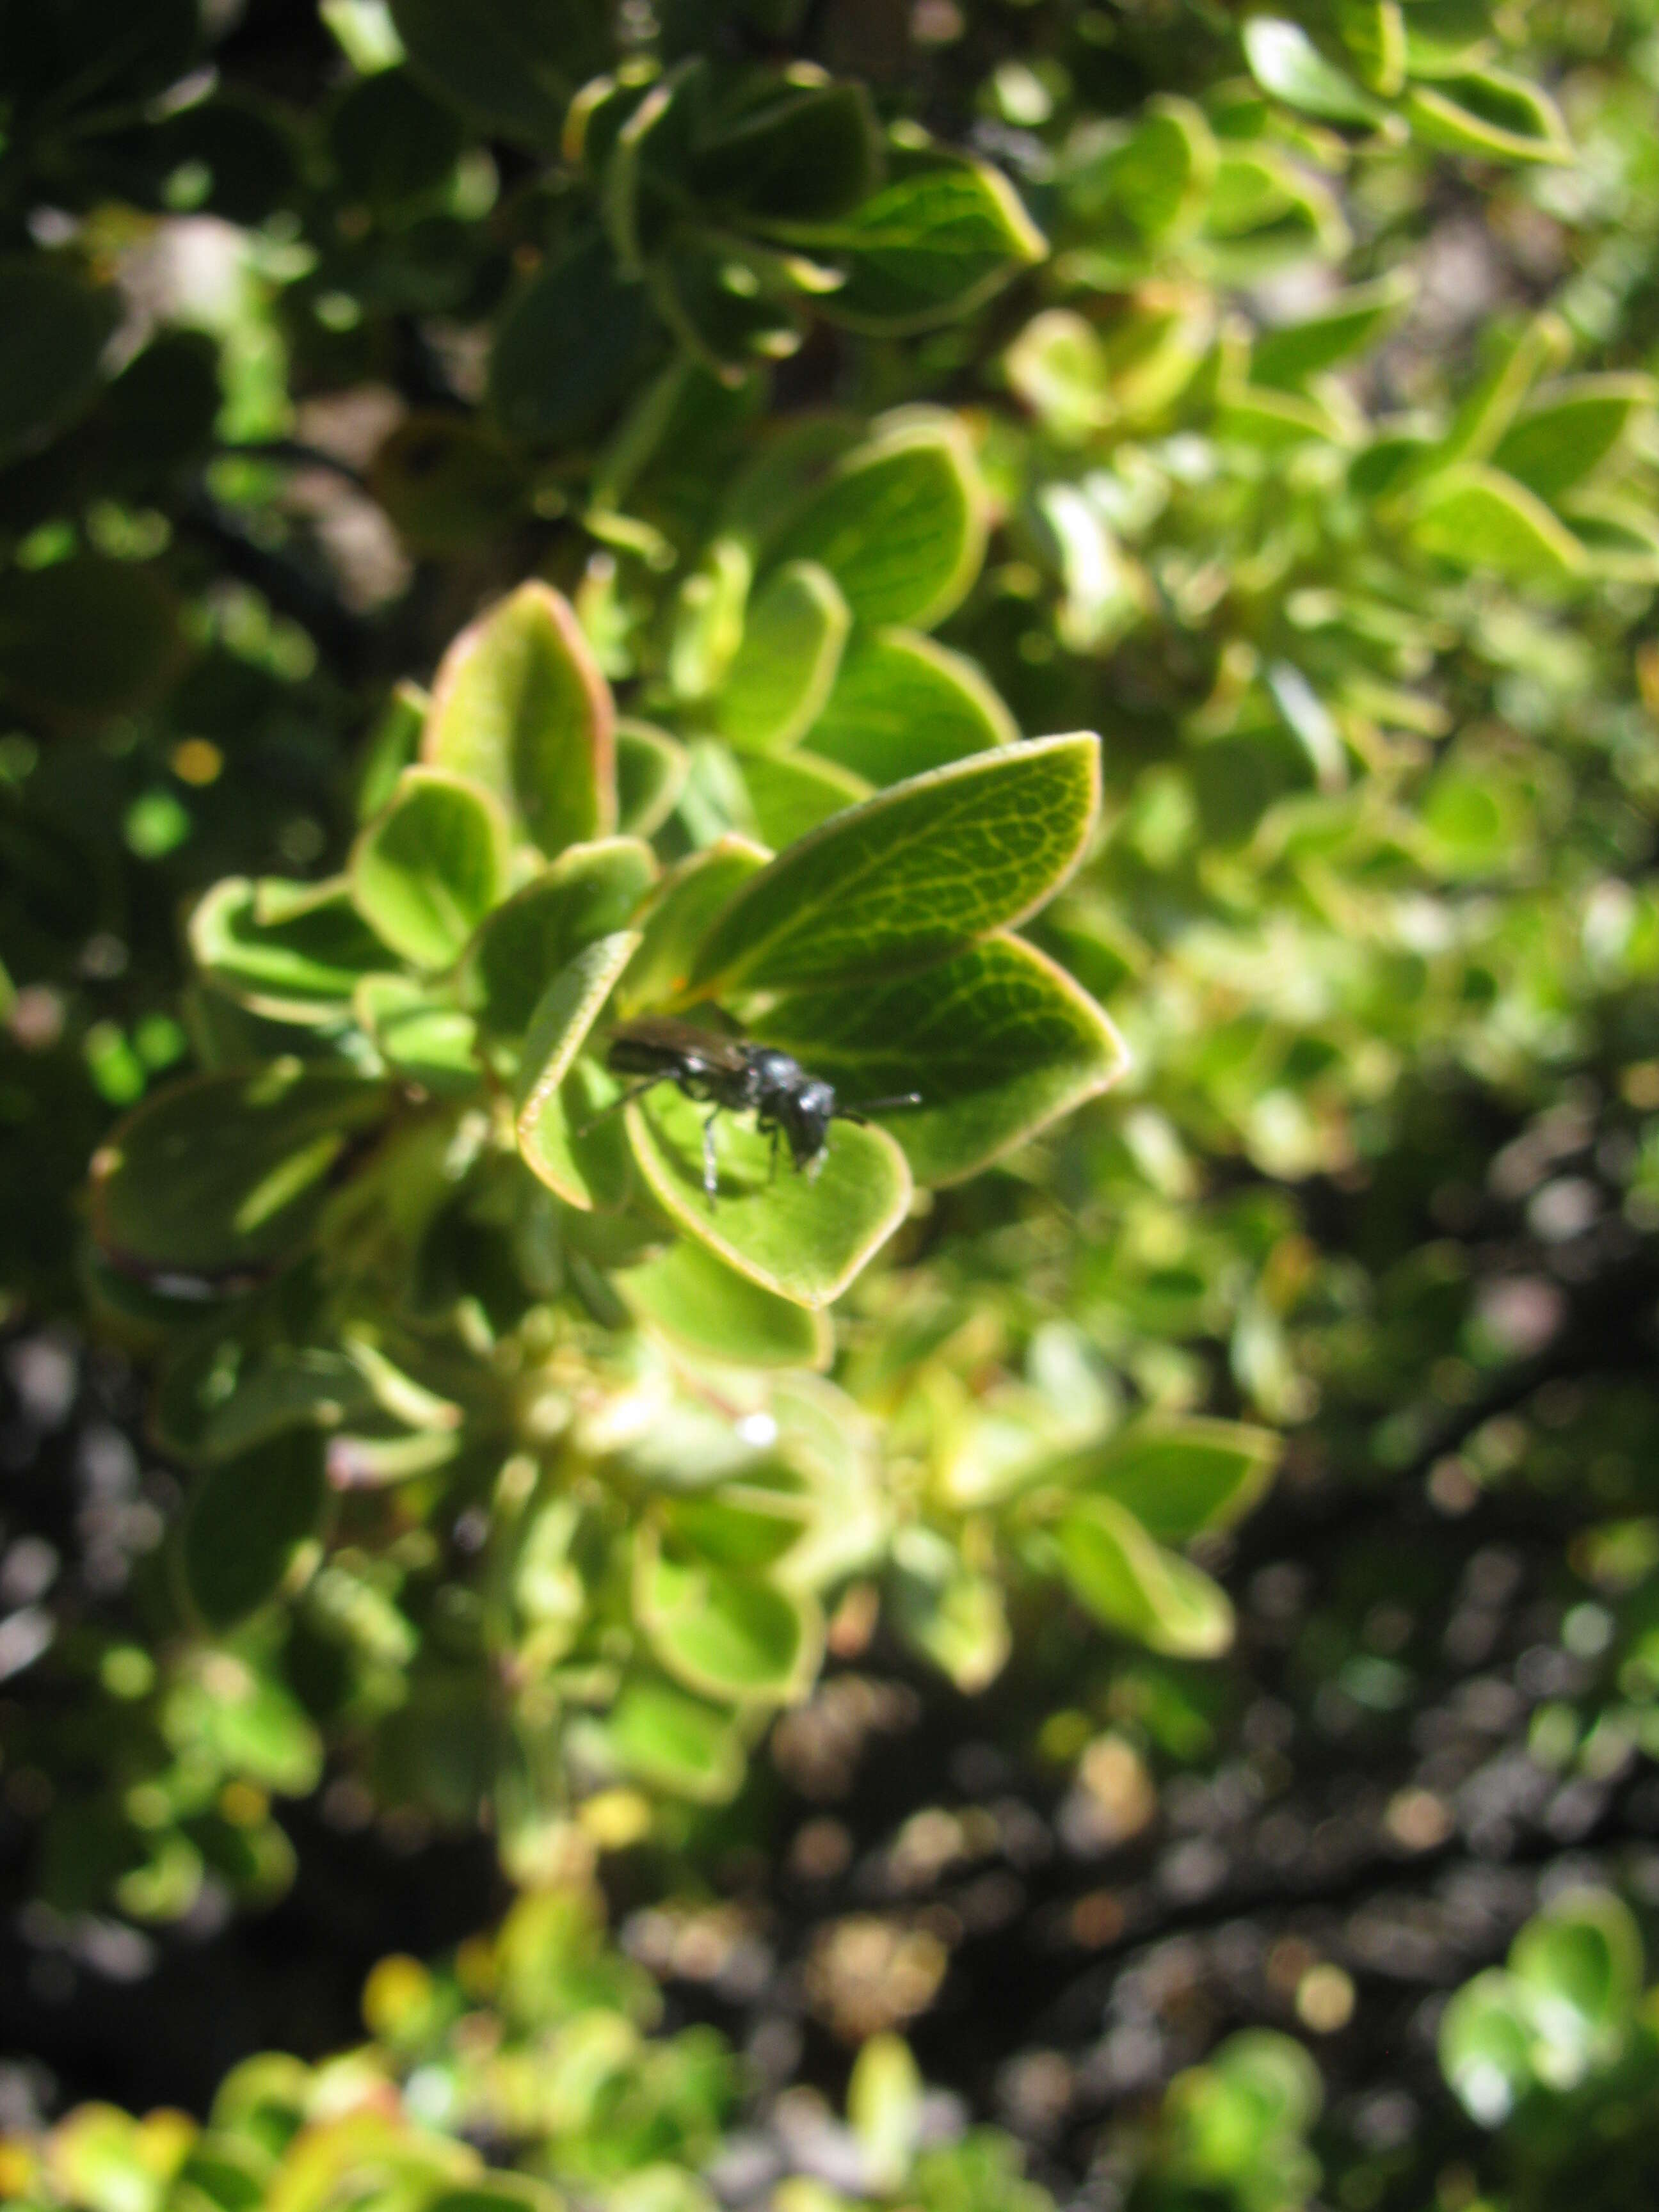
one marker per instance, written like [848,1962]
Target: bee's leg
[711,1174]
[772,1176]
[815,1166]
[623,1098]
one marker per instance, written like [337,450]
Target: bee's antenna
[876,1106]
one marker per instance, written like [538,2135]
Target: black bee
[736,1076]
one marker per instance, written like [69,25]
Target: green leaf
[1446,38]
[651,770]
[1180,1478]
[1491,114]
[590,891]
[1568,428]
[1348,324]
[221,1174]
[448,482]
[804,154]
[1485,2046]
[496,2192]
[1374,33]
[1477,519]
[247,1724]
[710,1310]
[708,618]
[218,1396]
[565,349]
[796,626]
[1580,1964]
[671,1741]
[953,1616]
[645,181]
[88,637]
[721,1634]
[426,871]
[711,294]
[913,875]
[903,705]
[430,1040]
[1285,61]
[1060,370]
[53,330]
[999,1042]
[938,240]
[393,744]
[803,1238]
[293,952]
[1263,214]
[1274,422]
[791,797]
[520,706]
[1619,536]
[1101,597]
[246,1522]
[899,522]
[512,63]
[749,1524]
[1516,358]
[1133,1584]
[884,2109]
[549,1140]
[390,141]
[675,922]
[1154,180]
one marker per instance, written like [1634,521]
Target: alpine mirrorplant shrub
[522,521]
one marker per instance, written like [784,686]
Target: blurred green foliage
[523,519]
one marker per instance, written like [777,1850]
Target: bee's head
[805,1116]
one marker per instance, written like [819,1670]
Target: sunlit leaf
[803,1237]
[914,874]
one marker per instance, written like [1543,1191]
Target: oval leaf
[1566,429]
[651,769]
[791,797]
[221,1175]
[709,1309]
[293,952]
[1491,114]
[1181,1479]
[1475,518]
[53,330]
[672,1742]
[520,706]
[903,705]
[426,872]
[246,1524]
[564,350]
[1134,1585]
[1285,61]
[805,1239]
[792,636]
[590,891]
[999,1042]
[431,1041]
[899,522]
[914,874]
[504,60]
[677,919]
[723,1634]
[549,1138]
[936,241]
[1580,1963]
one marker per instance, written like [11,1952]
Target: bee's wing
[660,1039]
